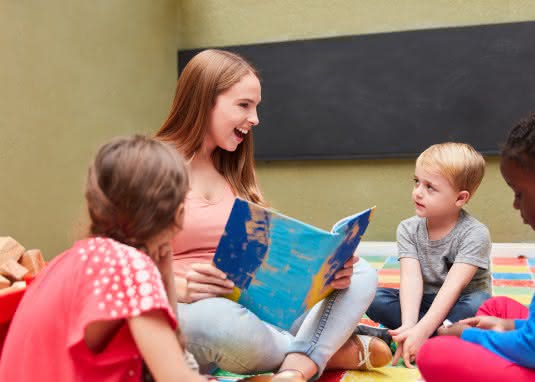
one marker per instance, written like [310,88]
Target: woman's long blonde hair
[207,75]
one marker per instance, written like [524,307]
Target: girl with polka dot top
[106,306]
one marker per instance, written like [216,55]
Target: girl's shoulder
[118,280]
[103,252]
[105,248]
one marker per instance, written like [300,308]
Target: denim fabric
[222,333]
[386,308]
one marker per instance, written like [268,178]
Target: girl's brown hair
[206,76]
[134,188]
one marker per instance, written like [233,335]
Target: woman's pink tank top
[204,223]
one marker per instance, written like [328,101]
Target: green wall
[321,192]
[74,73]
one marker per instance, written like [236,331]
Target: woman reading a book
[210,123]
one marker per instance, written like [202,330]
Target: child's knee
[428,355]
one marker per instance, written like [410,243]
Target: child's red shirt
[98,279]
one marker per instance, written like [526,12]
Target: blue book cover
[281,266]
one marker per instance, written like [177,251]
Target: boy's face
[433,195]
[522,182]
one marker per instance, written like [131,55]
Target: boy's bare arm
[410,290]
[457,279]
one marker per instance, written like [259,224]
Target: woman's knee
[209,319]
[223,332]
[364,280]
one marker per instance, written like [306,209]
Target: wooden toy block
[13,270]
[4,283]
[10,249]
[33,261]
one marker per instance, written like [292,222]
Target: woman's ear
[462,198]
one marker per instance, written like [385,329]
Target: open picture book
[280,266]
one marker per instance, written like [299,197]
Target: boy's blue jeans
[386,309]
[222,333]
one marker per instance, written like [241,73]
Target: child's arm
[164,261]
[411,280]
[412,339]
[410,291]
[410,296]
[517,345]
[160,349]
[473,253]
[457,279]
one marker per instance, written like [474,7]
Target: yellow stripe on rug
[398,374]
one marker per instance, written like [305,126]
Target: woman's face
[234,114]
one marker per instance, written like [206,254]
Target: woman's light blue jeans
[222,333]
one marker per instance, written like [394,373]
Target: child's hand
[401,329]
[409,343]
[205,281]
[489,323]
[163,258]
[399,350]
[455,329]
[342,278]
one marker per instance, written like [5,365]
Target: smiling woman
[211,123]
[216,94]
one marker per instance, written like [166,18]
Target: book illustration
[282,267]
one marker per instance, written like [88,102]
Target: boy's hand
[395,333]
[489,323]
[342,278]
[409,343]
[401,329]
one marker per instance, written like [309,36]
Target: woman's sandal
[373,352]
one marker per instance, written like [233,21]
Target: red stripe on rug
[508,261]
[514,283]
[389,285]
[369,322]
[389,272]
[332,376]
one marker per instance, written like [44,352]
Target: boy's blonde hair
[459,163]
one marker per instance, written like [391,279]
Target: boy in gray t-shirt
[444,252]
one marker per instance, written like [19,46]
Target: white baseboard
[389,248]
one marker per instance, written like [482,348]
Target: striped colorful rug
[511,276]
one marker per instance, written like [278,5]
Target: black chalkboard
[391,94]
